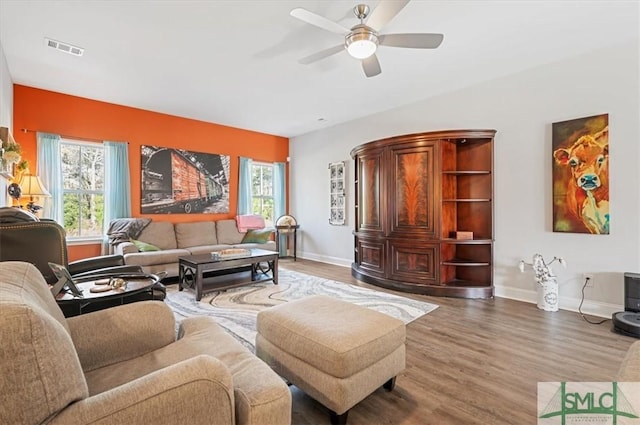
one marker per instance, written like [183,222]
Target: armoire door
[413,186]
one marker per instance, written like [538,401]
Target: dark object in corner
[627,322]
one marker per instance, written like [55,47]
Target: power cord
[586,280]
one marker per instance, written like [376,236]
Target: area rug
[236,309]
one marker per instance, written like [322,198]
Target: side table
[92,301]
[287,232]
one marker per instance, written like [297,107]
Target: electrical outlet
[589,278]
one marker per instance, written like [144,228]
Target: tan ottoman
[335,351]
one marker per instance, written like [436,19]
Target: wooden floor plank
[476,361]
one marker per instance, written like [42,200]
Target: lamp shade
[362,49]
[31,185]
[362,42]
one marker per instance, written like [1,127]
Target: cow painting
[583,179]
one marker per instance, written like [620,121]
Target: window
[83,188]
[262,191]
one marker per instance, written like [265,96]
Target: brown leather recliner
[24,237]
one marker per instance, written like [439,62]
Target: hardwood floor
[476,361]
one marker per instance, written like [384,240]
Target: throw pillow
[143,246]
[257,236]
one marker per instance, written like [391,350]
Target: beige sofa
[124,365]
[180,239]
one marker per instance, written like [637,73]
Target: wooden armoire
[424,213]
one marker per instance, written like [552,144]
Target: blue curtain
[244,187]
[50,172]
[279,189]
[280,199]
[117,187]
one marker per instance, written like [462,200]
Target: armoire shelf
[462,263]
[467,241]
[466,200]
[460,173]
[413,194]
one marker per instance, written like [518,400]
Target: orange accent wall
[76,117]
[78,252]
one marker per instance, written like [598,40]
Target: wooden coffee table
[192,270]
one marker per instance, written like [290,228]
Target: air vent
[64,47]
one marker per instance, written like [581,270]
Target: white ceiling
[235,62]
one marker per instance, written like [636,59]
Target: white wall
[6,112]
[521,108]
[6,93]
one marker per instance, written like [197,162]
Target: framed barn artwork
[581,175]
[176,181]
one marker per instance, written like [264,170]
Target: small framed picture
[64,280]
[338,186]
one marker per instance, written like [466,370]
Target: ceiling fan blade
[413,41]
[322,54]
[371,66]
[384,12]
[318,21]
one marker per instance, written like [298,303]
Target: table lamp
[32,186]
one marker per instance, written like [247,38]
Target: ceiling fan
[363,39]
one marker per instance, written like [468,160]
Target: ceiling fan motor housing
[361,11]
[361,42]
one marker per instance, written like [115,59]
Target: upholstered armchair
[124,365]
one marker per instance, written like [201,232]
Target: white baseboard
[591,308]
[326,259]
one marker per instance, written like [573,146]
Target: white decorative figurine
[546,281]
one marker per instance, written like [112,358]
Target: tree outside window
[262,191]
[83,188]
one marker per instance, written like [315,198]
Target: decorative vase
[546,282]
[548,294]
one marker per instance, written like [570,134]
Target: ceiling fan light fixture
[361,43]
